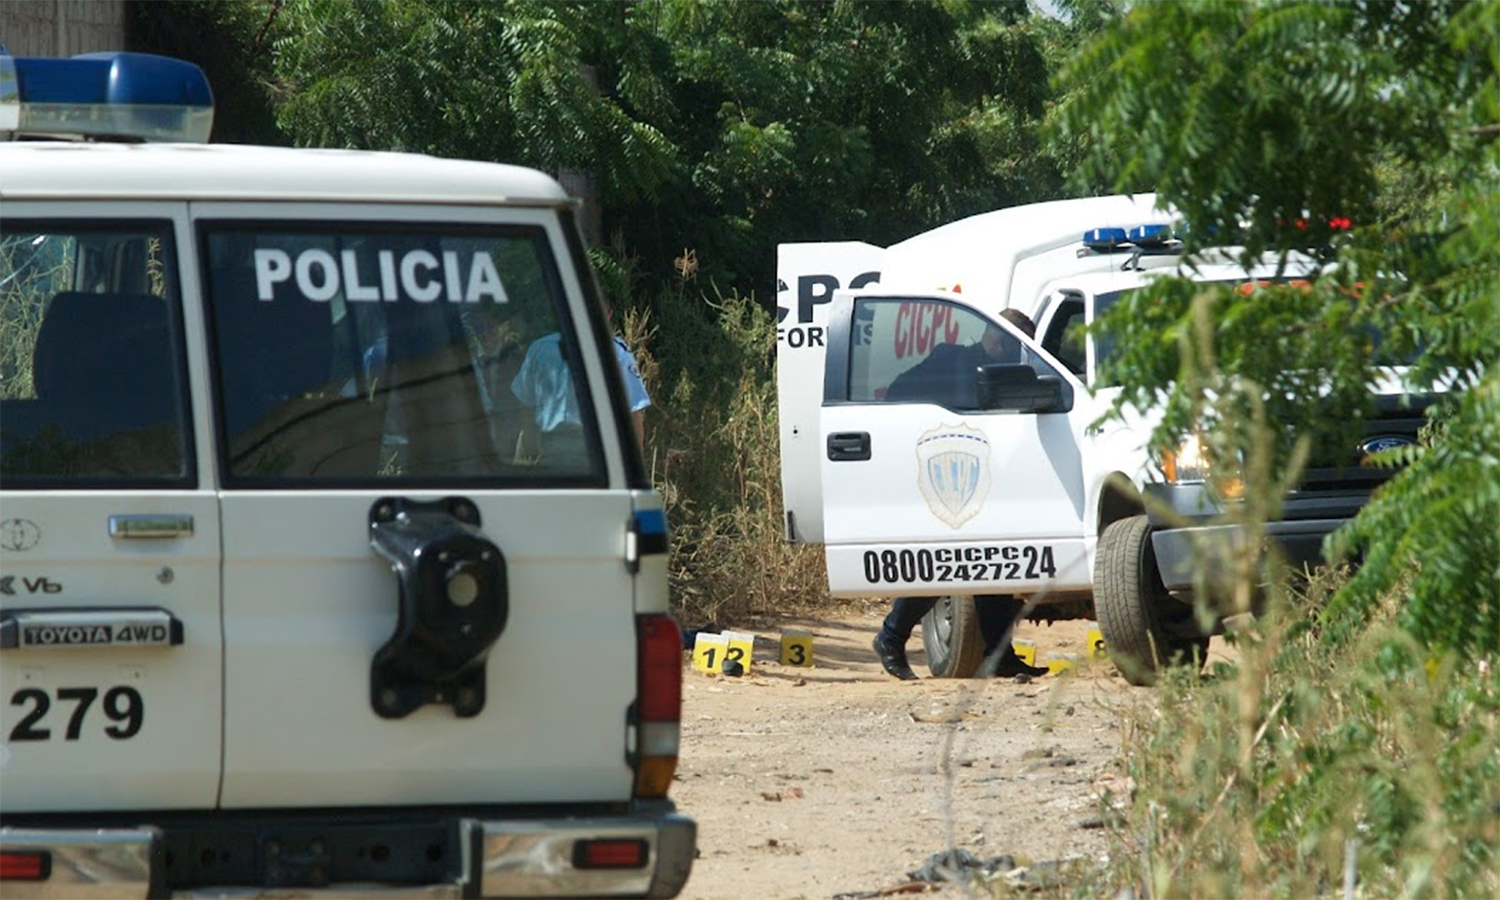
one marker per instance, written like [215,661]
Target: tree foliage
[724,128]
[230,41]
[1261,122]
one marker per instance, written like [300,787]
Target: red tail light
[660,677]
[25,865]
[658,703]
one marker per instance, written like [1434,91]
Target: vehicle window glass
[91,363]
[395,354]
[1065,337]
[1104,340]
[924,351]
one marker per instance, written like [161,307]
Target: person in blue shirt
[545,384]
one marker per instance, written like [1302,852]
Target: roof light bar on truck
[1139,240]
[1150,235]
[105,96]
[1104,239]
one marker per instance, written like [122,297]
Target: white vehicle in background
[1014,492]
[282,610]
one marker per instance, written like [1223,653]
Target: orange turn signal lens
[1169,466]
[653,776]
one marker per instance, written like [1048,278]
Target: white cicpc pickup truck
[999,485]
[282,609]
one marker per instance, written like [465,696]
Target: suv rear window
[91,362]
[353,354]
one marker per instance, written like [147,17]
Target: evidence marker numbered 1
[709,651]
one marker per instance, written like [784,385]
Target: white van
[283,608]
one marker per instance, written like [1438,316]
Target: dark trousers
[997,612]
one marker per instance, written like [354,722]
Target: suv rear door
[367,364]
[110,654]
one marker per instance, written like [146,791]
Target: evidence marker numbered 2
[1011,562]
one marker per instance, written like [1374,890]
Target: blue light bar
[1150,235]
[123,96]
[1104,238]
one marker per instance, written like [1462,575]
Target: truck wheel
[1143,626]
[950,635]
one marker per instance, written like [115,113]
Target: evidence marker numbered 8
[1011,562]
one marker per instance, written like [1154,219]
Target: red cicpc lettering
[920,326]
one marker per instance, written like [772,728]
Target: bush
[1307,765]
[712,446]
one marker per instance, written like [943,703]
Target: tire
[1141,623]
[951,638]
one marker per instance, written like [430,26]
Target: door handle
[151,525]
[849,446]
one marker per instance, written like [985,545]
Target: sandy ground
[839,780]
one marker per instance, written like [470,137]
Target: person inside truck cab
[947,377]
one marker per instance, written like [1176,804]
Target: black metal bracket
[453,604]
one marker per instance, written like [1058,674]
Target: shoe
[1013,666]
[893,658]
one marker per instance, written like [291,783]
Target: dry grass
[29,268]
[713,447]
[1313,769]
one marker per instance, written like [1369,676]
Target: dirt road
[837,779]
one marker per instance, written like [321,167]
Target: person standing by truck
[946,377]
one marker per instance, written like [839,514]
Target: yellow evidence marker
[1026,650]
[1058,663]
[1093,642]
[797,649]
[709,651]
[741,650]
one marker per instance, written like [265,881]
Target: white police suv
[283,610]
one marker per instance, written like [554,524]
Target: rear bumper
[298,856]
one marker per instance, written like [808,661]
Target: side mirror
[1017,388]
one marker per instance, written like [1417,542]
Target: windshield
[397,354]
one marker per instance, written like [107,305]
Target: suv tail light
[658,703]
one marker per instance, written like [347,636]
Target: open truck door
[947,482]
[950,464]
[806,277]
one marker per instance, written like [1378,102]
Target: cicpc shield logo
[953,472]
